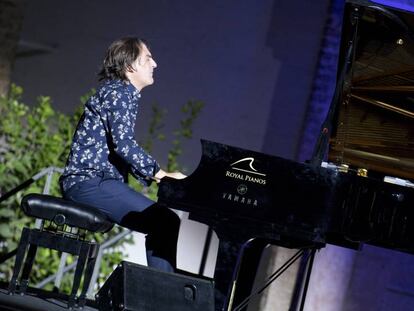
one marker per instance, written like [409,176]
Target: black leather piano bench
[64,227]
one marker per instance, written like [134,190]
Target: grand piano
[356,189]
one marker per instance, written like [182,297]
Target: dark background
[250,62]
[258,66]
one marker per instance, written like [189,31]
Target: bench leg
[31,254]
[83,254]
[21,251]
[90,264]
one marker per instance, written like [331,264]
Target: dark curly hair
[119,58]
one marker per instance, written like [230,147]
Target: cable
[256,291]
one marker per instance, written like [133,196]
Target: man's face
[143,67]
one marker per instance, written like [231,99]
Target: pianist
[104,151]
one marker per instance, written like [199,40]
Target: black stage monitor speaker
[133,287]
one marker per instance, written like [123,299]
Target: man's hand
[176,175]
[161,174]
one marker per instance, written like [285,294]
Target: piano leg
[251,256]
[226,272]
[302,280]
[234,275]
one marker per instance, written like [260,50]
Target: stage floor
[37,300]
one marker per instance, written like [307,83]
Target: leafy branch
[32,139]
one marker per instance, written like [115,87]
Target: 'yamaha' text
[239,199]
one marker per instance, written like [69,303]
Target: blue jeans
[131,209]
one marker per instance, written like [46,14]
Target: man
[104,151]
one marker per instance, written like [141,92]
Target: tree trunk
[11,17]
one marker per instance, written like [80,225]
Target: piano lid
[373,126]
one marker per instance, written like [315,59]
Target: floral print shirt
[104,142]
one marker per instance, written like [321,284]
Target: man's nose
[154,64]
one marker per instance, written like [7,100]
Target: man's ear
[130,68]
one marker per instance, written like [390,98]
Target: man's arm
[121,124]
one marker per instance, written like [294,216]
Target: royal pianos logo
[244,171]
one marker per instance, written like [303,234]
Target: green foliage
[154,129]
[191,111]
[32,139]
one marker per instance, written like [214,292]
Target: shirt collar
[132,89]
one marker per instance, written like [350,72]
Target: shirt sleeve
[121,115]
